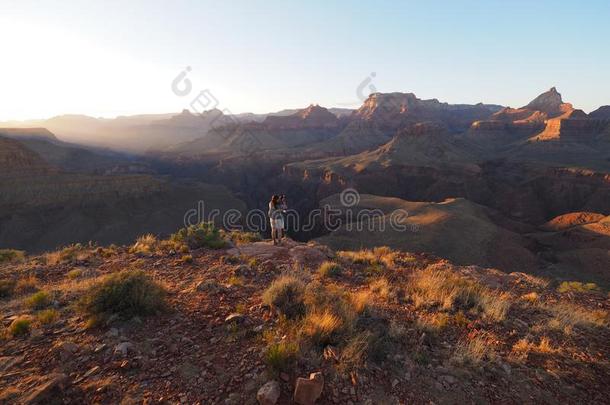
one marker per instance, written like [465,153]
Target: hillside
[382,328]
[456,229]
[42,206]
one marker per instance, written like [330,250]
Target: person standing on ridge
[275,219]
[284,208]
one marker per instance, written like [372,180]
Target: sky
[110,58]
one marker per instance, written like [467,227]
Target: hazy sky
[109,58]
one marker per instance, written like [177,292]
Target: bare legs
[275,235]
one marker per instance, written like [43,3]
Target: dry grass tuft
[361,301]
[378,256]
[69,254]
[330,269]
[286,294]
[322,328]
[431,287]
[566,316]
[524,347]
[145,244]
[47,317]
[26,285]
[473,351]
[531,297]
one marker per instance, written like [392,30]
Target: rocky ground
[212,342]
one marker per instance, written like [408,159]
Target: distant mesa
[313,116]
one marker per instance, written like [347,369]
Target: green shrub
[20,327]
[280,356]
[126,294]
[330,269]
[286,294]
[7,287]
[38,300]
[9,255]
[199,236]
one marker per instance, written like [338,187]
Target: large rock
[269,393]
[307,391]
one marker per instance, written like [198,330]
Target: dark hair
[274,199]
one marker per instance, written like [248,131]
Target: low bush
[38,300]
[11,255]
[286,294]
[203,235]
[330,269]
[124,294]
[20,327]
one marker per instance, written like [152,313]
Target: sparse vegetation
[26,285]
[330,269]
[576,286]
[567,315]
[203,235]
[38,300]
[145,244]
[47,316]
[281,356]
[7,288]
[378,256]
[241,237]
[451,291]
[286,294]
[20,326]
[124,294]
[69,254]
[323,328]
[11,255]
[473,350]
